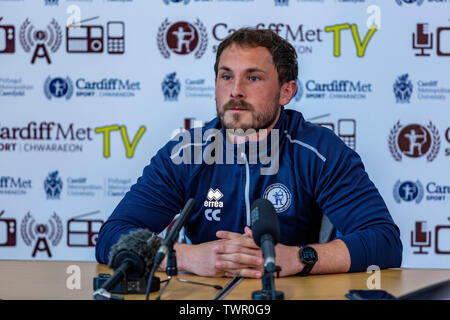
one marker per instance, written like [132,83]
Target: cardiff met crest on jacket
[279,195]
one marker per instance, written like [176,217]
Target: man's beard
[259,121]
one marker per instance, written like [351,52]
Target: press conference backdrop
[90,90]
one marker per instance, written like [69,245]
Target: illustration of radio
[116,37]
[7,38]
[346,129]
[7,231]
[84,39]
[83,232]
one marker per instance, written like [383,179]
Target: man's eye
[226,77]
[254,78]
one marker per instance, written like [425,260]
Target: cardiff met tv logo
[171,87]
[414,141]
[182,38]
[58,88]
[403,89]
[408,191]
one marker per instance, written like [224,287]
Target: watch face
[309,255]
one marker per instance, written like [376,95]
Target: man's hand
[237,254]
[200,258]
[240,255]
[233,254]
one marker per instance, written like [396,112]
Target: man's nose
[237,90]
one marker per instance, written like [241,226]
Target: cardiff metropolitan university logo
[414,141]
[53,185]
[171,87]
[403,89]
[58,88]
[408,191]
[182,38]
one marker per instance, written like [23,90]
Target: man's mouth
[237,106]
[238,109]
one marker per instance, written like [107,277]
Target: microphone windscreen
[139,244]
[264,220]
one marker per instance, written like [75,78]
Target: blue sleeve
[355,207]
[151,203]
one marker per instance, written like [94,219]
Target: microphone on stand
[167,246]
[172,236]
[266,233]
[132,255]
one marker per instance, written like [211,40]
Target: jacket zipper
[247,188]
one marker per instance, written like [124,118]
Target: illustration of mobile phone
[115,31]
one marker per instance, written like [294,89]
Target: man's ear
[287,92]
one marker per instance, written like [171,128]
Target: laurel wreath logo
[160,38]
[203,39]
[393,142]
[22,36]
[58,36]
[436,142]
[54,33]
[58,228]
[23,228]
[55,226]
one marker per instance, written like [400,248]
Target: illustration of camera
[7,37]
[84,39]
[7,232]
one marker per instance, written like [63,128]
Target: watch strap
[307,266]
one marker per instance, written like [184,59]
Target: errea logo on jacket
[213,197]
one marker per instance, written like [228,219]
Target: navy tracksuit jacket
[316,174]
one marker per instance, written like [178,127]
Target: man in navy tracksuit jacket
[310,173]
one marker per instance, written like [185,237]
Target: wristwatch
[308,256]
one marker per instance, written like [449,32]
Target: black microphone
[172,236]
[132,255]
[266,231]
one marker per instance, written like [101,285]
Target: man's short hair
[283,53]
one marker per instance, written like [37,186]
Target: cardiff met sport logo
[414,141]
[182,38]
[408,191]
[279,195]
[58,88]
